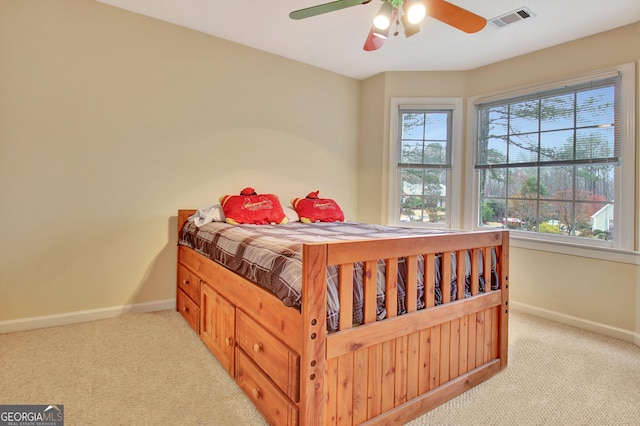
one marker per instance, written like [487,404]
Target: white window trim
[622,249]
[454,187]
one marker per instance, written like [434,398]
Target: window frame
[624,175]
[453,217]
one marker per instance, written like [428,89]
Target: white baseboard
[33,323]
[607,330]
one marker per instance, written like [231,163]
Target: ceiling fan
[409,12]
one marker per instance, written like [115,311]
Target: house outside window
[424,161]
[550,162]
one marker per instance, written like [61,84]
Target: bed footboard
[392,370]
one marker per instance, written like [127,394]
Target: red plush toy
[253,208]
[314,209]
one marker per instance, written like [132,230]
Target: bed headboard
[183,216]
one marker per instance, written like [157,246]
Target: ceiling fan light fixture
[383,34]
[416,12]
[409,28]
[382,21]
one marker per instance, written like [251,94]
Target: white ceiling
[334,41]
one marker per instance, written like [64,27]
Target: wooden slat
[434,364]
[464,345]
[495,333]
[475,270]
[471,346]
[461,263]
[401,371]
[488,317]
[345,296]
[391,287]
[454,344]
[374,386]
[487,268]
[412,283]
[388,374]
[332,392]
[424,360]
[370,291]
[413,361]
[344,392]
[429,280]
[360,370]
[445,352]
[445,284]
[479,338]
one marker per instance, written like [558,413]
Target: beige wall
[596,294]
[111,121]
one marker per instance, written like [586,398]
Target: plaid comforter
[271,256]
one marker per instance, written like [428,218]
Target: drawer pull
[228,341]
[257,348]
[185,282]
[186,309]
[256,393]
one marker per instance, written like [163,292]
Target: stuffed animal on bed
[312,209]
[252,208]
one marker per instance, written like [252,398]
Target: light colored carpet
[152,369]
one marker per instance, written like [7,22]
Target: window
[550,161]
[422,160]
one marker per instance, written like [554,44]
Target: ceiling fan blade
[373,42]
[325,8]
[455,16]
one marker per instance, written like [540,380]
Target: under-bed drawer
[271,402]
[189,310]
[191,258]
[274,357]
[189,283]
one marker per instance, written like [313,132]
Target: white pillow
[291,214]
[210,213]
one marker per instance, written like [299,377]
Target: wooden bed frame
[382,372]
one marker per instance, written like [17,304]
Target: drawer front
[266,396]
[279,362]
[191,258]
[189,283]
[189,310]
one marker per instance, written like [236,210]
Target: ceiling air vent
[511,17]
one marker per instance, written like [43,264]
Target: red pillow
[249,207]
[313,209]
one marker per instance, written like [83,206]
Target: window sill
[573,249]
